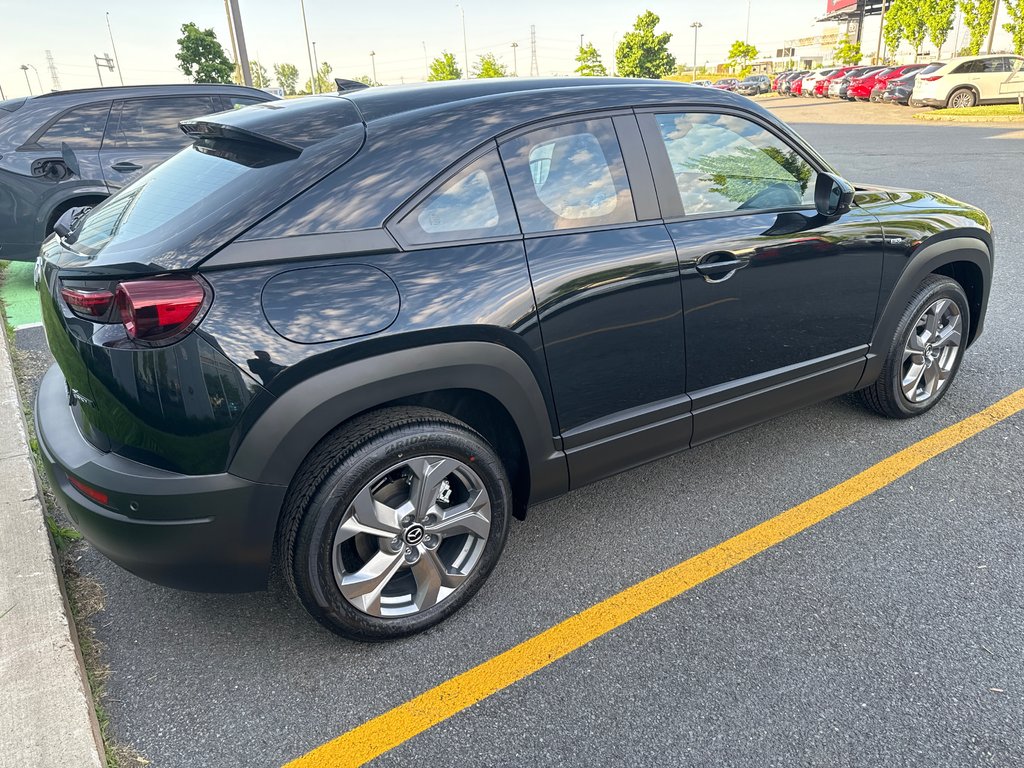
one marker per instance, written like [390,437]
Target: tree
[746,172]
[324,84]
[260,78]
[1015,8]
[367,80]
[938,18]
[287,76]
[847,53]
[740,53]
[908,16]
[444,68]
[978,18]
[487,66]
[641,53]
[590,64]
[201,57]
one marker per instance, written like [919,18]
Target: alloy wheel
[931,351]
[411,536]
[961,99]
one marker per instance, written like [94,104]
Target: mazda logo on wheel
[414,534]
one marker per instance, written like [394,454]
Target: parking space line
[390,729]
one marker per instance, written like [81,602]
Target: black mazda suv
[354,335]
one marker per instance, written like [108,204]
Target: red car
[882,83]
[821,87]
[861,87]
[726,84]
[798,87]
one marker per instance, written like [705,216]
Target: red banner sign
[838,5]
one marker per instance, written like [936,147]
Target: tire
[925,352]
[961,98]
[353,516]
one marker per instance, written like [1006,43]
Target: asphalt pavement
[890,634]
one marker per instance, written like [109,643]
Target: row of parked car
[964,81]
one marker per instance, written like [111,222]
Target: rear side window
[969,67]
[153,123]
[236,102]
[474,203]
[569,176]
[80,127]
[723,163]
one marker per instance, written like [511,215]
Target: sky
[396,30]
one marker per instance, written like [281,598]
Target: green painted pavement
[21,302]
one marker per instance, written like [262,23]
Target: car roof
[960,59]
[125,91]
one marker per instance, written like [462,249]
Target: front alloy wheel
[932,349]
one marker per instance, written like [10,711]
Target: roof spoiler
[292,125]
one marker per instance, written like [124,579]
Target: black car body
[116,134]
[901,89]
[308,263]
[754,84]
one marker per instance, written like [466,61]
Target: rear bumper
[201,532]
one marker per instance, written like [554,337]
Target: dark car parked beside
[116,135]
[899,90]
[358,333]
[786,81]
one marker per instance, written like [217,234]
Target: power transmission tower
[53,71]
[534,69]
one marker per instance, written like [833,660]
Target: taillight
[932,78]
[87,490]
[87,304]
[158,310]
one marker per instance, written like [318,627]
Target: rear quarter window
[80,127]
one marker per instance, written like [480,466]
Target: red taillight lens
[932,78]
[98,496]
[88,304]
[156,310]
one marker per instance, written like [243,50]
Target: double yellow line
[375,737]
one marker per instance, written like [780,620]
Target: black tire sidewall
[948,289]
[314,574]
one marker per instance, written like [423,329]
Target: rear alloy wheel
[925,353]
[961,98]
[395,523]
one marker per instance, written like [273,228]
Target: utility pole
[104,61]
[881,26]
[234,45]
[581,41]
[426,62]
[243,57]
[695,26]
[515,64]
[465,45]
[992,27]
[534,69]
[53,71]
[316,66]
[113,47]
[24,68]
[373,65]
[312,71]
[746,39]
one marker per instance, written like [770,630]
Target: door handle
[126,166]
[720,265]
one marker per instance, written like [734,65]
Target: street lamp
[316,69]
[24,69]
[695,26]
[465,45]
[312,73]
[373,65]
[515,64]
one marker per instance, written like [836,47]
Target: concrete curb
[46,712]
[970,118]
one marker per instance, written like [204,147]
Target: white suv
[970,80]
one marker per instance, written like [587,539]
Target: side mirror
[68,220]
[832,195]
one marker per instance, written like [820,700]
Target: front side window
[81,127]
[723,163]
[474,203]
[993,66]
[568,176]
[153,123]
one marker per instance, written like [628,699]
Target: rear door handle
[126,166]
[720,265]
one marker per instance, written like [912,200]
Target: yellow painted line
[384,732]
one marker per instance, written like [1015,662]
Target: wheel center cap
[414,534]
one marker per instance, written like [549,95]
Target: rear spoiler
[288,124]
[345,86]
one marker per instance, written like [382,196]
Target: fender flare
[283,435]
[926,260]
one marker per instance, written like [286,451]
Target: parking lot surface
[891,633]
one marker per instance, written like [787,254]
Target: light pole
[515,64]
[581,41]
[24,68]
[992,27]
[312,71]
[117,61]
[695,26]
[746,39]
[316,68]
[38,79]
[426,63]
[373,65]
[465,45]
